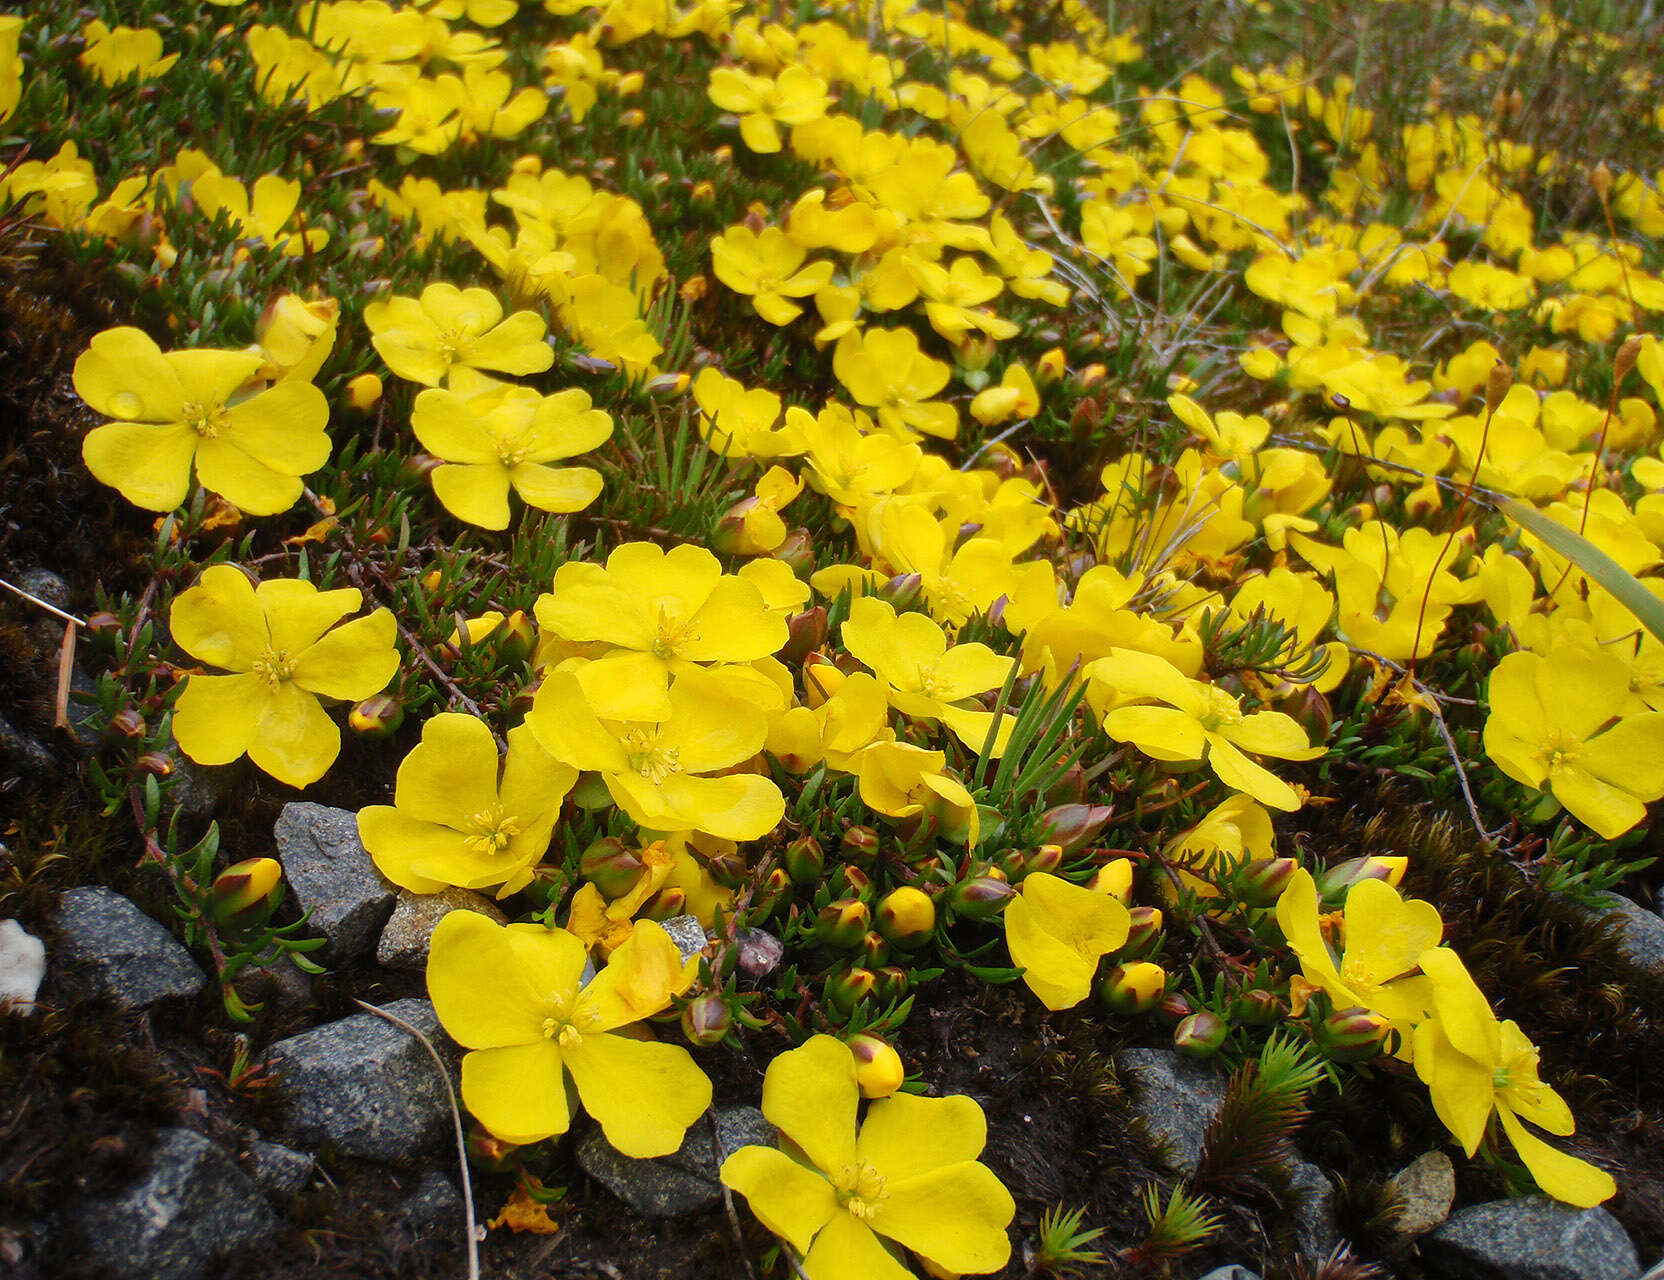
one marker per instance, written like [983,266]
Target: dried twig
[456,1123]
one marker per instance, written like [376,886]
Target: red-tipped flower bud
[1201,1035]
[1144,934]
[847,989]
[1134,987]
[1074,826]
[878,1068]
[610,867]
[859,845]
[1261,882]
[1257,1008]
[706,1019]
[907,917]
[804,860]
[842,924]
[243,895]
[981,897]
[376,717]
[1351,1035]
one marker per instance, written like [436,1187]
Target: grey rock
[22,754]
[1427,1186]
[282,983]
[192,1207]
[84,720]
[196,790]
[686,1180]
[1640,933]
[434,1208]
[404,942]
[107,946]
[1532,1238]
[365,1087]
[45,585]
[281,1172]
[1176,1099]
[1232,1272]
[1315,1230]
[333,877]
[688,935]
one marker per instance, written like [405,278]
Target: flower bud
[1351,1035]
[489,1153]
[797,550]
[376,717]
[859,845]
[1201,1035]
[664,904]
[1047,858]
[1144,933]
[902,591]
[1336,882]
[1257,1007]
[1314,713]
[804,860]
[1074,826]
[907,917]
[891,985]
[805,632]
[127,723]
[842,924]
[981,897]
[878,1068]
[610,867]
[1261,882]
[155,764]
[847,989]
[820,680]
[1133,987]
[1115,879]
[1173,1008]
[775,894]
[873,951]
[706,1019]
[517,637]
[1051,366]
[851,882]
[243,895]
[363,392]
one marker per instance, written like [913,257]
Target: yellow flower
[1201,720]
[909,1175]
[179,407]
[741,422]
[421,339]
[1547,728]
[884,370]
[274,639]
[655,769]
[1474,1065]
[1056,931]
[496,442]
[115,54]
[452,823]
[922,676]
[11,66]
[768,266]
[511,995]
[796,96]
[1385,939]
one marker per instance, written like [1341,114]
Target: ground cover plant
[1044,527]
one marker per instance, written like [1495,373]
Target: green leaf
[1624,586]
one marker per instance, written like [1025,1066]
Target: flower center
[648,756]
[1562,750]
[672,634]
[206,420]
[491,830]
[860,1190]
[560,1026]
[275,664]
[1221,710]
[930,684]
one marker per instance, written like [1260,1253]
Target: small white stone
[22,966]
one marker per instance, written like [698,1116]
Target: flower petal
[122,375]
[398,844]
[644,1094]
[1164,733]
[511,1007]
[219,621]
[1562,1176]
[449,429]
[568,729]
[518,1091]
[476,495]
[1385,934]
[149,466]
[905,1135]
[282,427]
[956,1217]
[1461,1089]
[451,774]
[216,717]
[848,1250]
[243,481]
[741,806]
[643,974]
[1059,976]
[353,661]
[296,741]
[810,1095]
[558,489]
[791,1201]
[1237,771]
